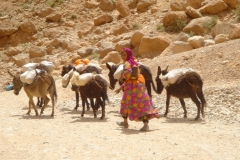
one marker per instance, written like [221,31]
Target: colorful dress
[135,103]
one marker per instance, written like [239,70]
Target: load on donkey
[36,83]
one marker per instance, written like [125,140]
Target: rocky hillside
[62,31]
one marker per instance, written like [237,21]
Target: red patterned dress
[135,103]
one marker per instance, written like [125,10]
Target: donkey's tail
[53,90]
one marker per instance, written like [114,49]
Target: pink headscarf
[130,57]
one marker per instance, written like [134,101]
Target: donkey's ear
[10,73]
[108,66]
[166,68]
[159,71]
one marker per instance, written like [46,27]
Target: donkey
[144,70]
[95,88]
[188,85]
[42,85]
[88,69]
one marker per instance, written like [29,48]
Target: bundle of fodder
[29,76]
[172,76]
[30,66]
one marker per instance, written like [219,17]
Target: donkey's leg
[184,107]
[93,107]
[202,99]
[167,104]
[88,108]
[31,103]
[102,104]
[46,100]
[83,105]
[77,100]
[148,86]
[29,106]
[198,104]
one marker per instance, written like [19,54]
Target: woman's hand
[118,90]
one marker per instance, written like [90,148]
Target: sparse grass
[160,28]
[191,33]
[73,16]
[211,23]
[237,12]
[177,27]
[52,4]
[113,1]
[25,6]
[180,24]
[136,26]
[94,56]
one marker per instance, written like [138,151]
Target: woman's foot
[125,125]
[145,128]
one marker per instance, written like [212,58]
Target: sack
[134,74]
[29,66]
[50,66]
[28,76]
[118,72]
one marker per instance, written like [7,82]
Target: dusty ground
[68,136]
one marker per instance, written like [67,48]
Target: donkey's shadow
[182,120]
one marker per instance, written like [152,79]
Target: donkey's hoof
[52,115]
[197,118]
[28,113]
[184,116]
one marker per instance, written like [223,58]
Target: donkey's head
[158,79]
[17,83]
[112,69]
[66,69]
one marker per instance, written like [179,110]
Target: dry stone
[178,6]
[122,44]
[208,42]
[122,8]
[54,17]
[102,19]
[136,38]
[214,7]
[196,41]
[177,47]
[28,27]
[182,37]
[45,12]
[191,12]
[197,26]
[144,4]
[170,18]
[195,3]
[232,3]
[91,4]
[112,56]
[20,59]
[6,31]
[235,31]
[152,46]
[107,5]
[35,51]
[120,30]
[221,28]
[221,38]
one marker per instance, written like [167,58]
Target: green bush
[211,23]
[160,28]
[136,26]
[237,12]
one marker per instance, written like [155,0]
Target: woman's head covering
[130,57]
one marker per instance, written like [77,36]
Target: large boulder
[122,8]
[28,27]
[177,47]
[170,18]
[136,38]
[213,7]
[152,46]
[102,19]
[112,56]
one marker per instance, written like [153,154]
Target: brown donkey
[42,85]
[188,85]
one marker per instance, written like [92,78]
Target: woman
[136,103]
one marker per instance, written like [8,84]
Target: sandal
[122,124]
[145,128]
